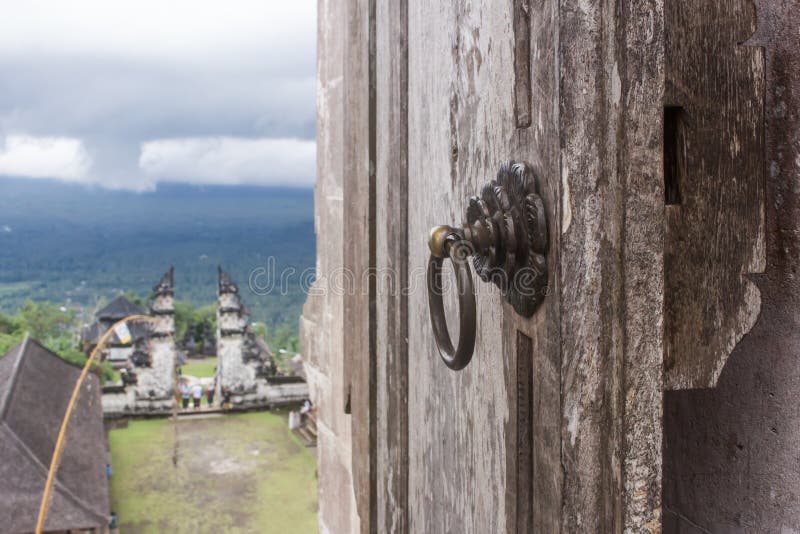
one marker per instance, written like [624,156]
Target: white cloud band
[230,161]
[62,158]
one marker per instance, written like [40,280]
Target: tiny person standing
[210,395]
[197,394]
[185,395]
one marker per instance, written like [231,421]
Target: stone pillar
[322,325]
[163,305]
[157,381]
[232,371]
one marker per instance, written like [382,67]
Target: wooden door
[555,425]
[461,451]
[474,448]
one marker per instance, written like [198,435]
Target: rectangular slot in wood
[673,126]
[524,433]
[522,63]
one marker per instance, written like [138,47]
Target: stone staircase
[307,431]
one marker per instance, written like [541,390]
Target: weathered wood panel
[391,176]
[522,62]
[611,61]
[715,235]
[359,250]
[461,118]
[538,144]
[555,425]
[640,64]
[730,452]
[590,252]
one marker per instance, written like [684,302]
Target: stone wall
[322,323]
[233,373]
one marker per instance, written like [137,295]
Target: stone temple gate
[149,360]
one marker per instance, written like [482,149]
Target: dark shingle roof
[119,308]
[91,334]
[35,386]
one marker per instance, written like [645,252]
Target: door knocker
[506,235]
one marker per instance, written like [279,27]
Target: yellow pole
[59,441]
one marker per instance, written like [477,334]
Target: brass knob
[438,239]
[505,233]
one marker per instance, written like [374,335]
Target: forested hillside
[76,246]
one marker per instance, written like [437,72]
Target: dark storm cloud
[240,97]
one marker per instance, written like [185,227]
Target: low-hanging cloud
[45,157]
[130,93]
[230,161]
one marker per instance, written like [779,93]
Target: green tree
[8,325]
[44,320]
[184,313]
[259,329]
[283,338]
[55,327]
[7,341]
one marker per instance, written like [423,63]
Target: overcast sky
[129,93]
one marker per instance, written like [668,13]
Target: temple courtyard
[212,473]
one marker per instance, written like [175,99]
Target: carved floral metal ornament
[505,233]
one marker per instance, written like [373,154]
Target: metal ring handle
[505,233]
[455,359]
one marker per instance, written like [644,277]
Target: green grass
[200,368]
[237,473]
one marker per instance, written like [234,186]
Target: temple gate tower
[156,382]
[146,360]
[243,360]
[232,371]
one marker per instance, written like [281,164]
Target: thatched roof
[35,386]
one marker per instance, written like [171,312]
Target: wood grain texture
[641,80]
[591,281]
[392,266]
[716,235]
[730,452]
[461,118]
[539,145]
[359,251]
[611,276]
[595,345]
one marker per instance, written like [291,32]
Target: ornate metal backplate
[505,233]
[510,210]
